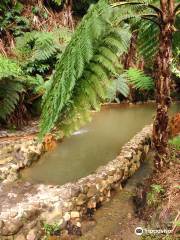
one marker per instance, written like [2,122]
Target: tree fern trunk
[163,80]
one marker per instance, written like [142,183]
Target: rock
[109,194]
[75,214]
[13,214]
[20,237]
[110,179]
[30,225]
[78,224]
[85,189]
[92,191]
[12,177]
[91,203]
[62,223]
[11,228]
[67,216]
[81,199]
[51,217]
[146,149]
[68,206]
[33,234]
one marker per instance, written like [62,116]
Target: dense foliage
[11,85]
[91,58]
[31,70]
[90,69]
[83,72]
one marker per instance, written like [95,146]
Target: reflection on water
[95,145]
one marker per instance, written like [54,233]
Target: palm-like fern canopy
[82,75]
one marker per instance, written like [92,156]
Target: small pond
[94,145]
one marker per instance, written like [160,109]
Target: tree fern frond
[67,70]
[83,73]
[118,85]
[139,79]
[147,43]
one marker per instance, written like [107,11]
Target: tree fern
[91,88]
[147,44]
[118,85]
[137,78]
[82,74]
[11,85]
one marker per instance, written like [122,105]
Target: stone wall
[17,154]
[25,206]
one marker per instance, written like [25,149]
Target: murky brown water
[92,146]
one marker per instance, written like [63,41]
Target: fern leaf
[82,74]
[139,79]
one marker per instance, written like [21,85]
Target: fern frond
[91,88]
[147,43]
[38,50]
[83,73]
[118,85]
[11,85]
[139,80]
[67,72]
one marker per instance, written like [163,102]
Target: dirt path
[116,220]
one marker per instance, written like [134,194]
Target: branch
[177,12]
[156,9]
[146,17]
[176,9]
[149,15]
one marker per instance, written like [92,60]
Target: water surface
[97,143]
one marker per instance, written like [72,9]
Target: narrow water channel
[116,220]
[97,143]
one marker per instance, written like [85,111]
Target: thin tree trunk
[68,21]
[130,61]
[163,80]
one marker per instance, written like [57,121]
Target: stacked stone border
[67,204]
[18,154]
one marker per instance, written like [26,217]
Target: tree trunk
[68,20]
[163,81]
[130,61]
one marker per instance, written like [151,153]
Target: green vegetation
[175,142]
[67,111]
[61,59]
[155,194]
[117,50]
[39,50]
[31,70]
[12,80]
[51,229]
[157,237]
[95,51]
[134,77]
[84,70]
